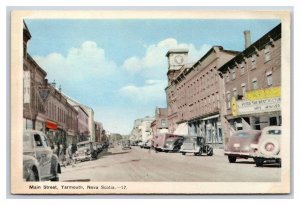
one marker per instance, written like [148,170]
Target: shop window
[273,121]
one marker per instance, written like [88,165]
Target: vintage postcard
[150,102]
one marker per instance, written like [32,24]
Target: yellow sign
[234,107]
[263,94]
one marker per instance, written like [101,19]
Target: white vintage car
[39,162]
[268,147]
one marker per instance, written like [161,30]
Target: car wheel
[32,176]
[259,161]
[231,159]
[279,162]
[183,153]
[210,151]
[196,153]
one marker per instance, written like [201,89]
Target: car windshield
[274,132]
[190,139]
[171,140]
[244,135]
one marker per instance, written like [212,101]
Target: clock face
[179,59]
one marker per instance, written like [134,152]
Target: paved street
[141,165]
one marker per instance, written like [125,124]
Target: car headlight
[236,145]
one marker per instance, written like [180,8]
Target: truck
[160,140]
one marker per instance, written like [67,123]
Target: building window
[267,54]
[234,93]
[254,84]
[228,100]
[243,89]
[163,122]
[227,77]
[253,62]
[269,79]
[233,74]
[242,66]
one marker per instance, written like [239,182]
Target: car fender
[30,163]
[55,166]
[267,140]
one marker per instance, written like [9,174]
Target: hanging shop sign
[257,106]
[263,93]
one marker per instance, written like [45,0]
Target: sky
[118,67]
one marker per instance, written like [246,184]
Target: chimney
[247,38]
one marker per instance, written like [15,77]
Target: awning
[182,129]
[211,117]
[51,125]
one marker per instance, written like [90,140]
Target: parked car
[100,147]
[86,150]
[173,144]
[268,147]
[111,145]
[159,140]
[39,162]
[240,144]
[195,145]
[126,144]
[146,144]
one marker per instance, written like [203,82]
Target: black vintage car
[196,145]
[173,144]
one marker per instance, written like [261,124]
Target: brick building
[252,83]
[194,94]
[160,124]
[44,107]
[100,135]
[83,126]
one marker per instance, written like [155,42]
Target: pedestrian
[55,149]
[69,153]
[61,156]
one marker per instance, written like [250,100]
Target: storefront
[71,137]
[209,127]
[259,109]
[40,123]
[51,130]
[27,124]
[182,129]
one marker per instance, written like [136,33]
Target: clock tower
[177,58]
